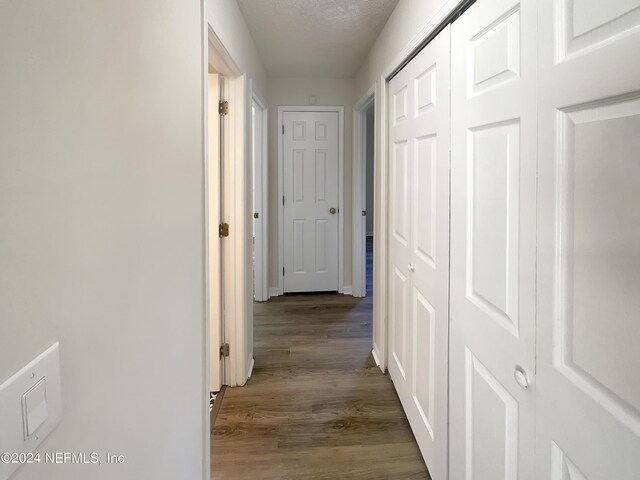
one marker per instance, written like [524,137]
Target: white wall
[101,226]
[296,91]
[227,21]
[405,22]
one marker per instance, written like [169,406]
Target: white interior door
[214,191]
[310,148]
[419,246]
[588,383]
[493,230]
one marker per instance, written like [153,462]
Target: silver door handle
[521,377]
[332,211]
[411,268]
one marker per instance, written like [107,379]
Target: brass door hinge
[224,350]
[223,230]
[223,107]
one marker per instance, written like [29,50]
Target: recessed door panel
[399,327]
[584,25]
[424,347]
[425,215]
[492,221]
[491,424]
[399,178]
[494,53]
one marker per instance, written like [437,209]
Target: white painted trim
[206,330]
[380,218]
[238,297]
[236,261]
[250,369]
[262,270]
[313,108]
[381,257]
[347,290]
[274,292]
[359,179]
[427,29]
[375,357]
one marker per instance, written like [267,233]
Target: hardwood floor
[316,406]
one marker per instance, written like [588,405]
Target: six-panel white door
[310,148]
[493,235]
[588,385]
[419,246]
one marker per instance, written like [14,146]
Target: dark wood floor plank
[316,406]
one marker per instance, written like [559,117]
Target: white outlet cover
[43,373]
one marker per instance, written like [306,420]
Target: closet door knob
[332,211]
[521,377]
[411,268]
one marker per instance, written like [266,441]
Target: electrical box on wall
[30,408]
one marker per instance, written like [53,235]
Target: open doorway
[260,195]
[363,195]
[369,196]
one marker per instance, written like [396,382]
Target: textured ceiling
[315,38]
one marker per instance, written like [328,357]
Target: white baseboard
[347,290]
[375,356]
[250,370]
[274,292]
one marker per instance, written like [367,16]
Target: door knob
[411,268]
[332,211]
[521,377]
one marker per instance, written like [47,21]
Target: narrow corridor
[316,406]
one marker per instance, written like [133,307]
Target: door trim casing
[311,108]
[262,267]
[359,170]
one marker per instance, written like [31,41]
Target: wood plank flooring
[316,406]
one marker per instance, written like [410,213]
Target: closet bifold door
[588,385]
[419,246]
[493,235]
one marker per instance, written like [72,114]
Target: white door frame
[261,267]
[360,188]
[340,111]
[381,196]
[236,250]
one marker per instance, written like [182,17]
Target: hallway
[316,405]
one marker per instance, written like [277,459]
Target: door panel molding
[493,250]
[418,239]
[340,111]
